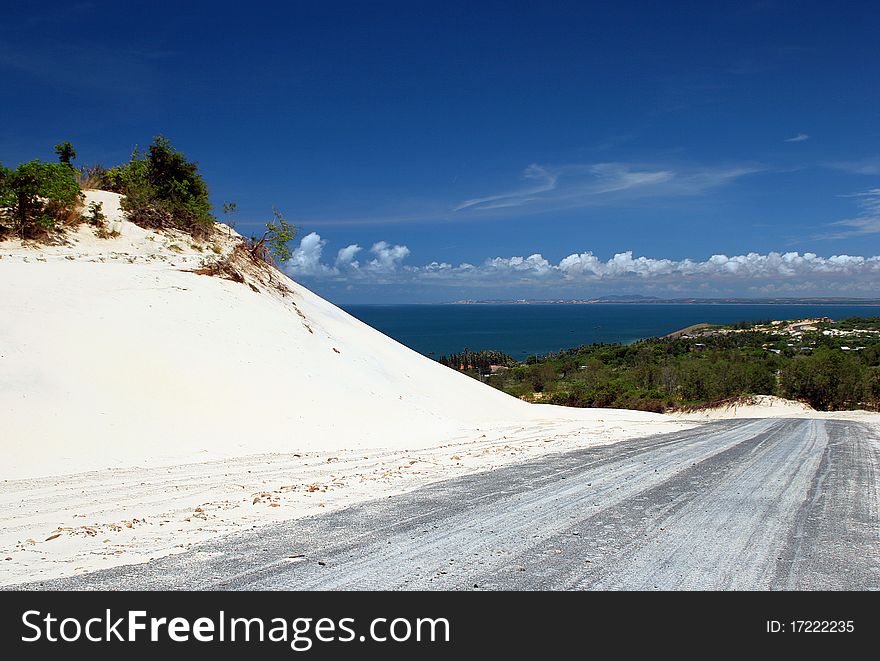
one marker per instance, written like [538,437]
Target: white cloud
[306,259]
[545,188]
[345,258]
[388,257]
[774,265]
[867,222]
[533,264]
[867,166]
[580,185]
[772,271]
[546,181]
[800,137]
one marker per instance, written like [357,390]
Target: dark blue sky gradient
[369,121]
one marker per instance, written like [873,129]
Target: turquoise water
[522,330]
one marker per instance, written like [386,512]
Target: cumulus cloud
[306,258]
[533,264]
[757,271]
[388,257]
[774,265]
[800,137]
[345,258]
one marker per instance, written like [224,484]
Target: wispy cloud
[546,188]
[867,222]
[866,166]
[768,272]
[545,181]
[582,185]
[800,137]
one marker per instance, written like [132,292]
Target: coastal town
[799,335]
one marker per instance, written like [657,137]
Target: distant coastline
[649,300]
[521,330]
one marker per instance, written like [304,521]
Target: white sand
[768,406]
[146,407]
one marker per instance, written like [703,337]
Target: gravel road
[739,504]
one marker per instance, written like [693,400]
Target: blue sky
[437,151]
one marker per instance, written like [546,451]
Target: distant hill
[635,299]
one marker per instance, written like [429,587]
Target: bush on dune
[37,196]
[273,247]
[162,189]
[66,152]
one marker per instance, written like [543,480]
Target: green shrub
[274,245]
[4,196]
[96,219]
[96,213]
[827,380]
[36,195]
[162,189]
[66,152]
[229,210]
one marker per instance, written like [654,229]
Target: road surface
[739,504]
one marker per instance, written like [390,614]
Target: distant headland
[653,300]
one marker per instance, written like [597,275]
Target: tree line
[478,361]
[661,374]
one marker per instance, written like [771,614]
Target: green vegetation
[852,323]
[96,213]
[480,362]
[273,246]
[36,196]
[229,210]
[832,379]
[66,153]
[837,371]
[162,189]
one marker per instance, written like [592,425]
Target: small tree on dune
[229,209]
[66,152]
[273,245]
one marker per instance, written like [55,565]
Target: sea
[524,330]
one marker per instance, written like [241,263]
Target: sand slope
[114,354]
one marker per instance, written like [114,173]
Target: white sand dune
[113,354]
[759,406]
[146,406]
[769,406]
